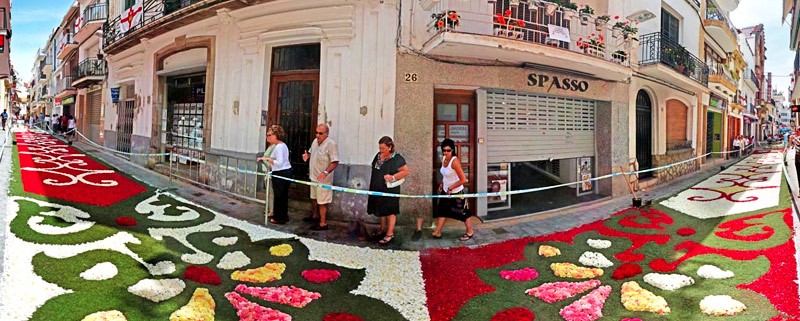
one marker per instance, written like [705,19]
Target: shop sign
[57,102]
[69,100]
[115,95]
[585,173]
[565,83]
[498,179]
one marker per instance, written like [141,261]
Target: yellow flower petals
[200,308]
[634,298]
[548,251]
[569,270]
[281,250]
[269,272]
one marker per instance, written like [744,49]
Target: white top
[449,176]
[71,124]
[736,142]
[281,157]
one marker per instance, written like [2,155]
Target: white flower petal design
[668,282]
[599,244]
[595,259]
[101,271]
[157,290]
[225,241]
[233,260]
[721,305]
[713,272]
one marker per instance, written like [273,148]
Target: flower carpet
[155,256]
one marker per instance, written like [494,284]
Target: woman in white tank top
[453,180]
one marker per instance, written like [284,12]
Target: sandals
[436,236]
[386,239]
[274,221]
[466,237]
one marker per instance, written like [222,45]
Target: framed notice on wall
[585,170]
[499,181]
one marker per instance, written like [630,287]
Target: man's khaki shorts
[322,195]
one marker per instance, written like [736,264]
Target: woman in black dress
[387,167]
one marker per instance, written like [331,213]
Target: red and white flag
[131,17]
[78,23]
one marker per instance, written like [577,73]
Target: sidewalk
[486,233]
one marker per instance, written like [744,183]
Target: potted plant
[689,63]
[446,20]
[550,7]
[620,56]
[616,30]
[595,45]
[628,31]
[586,13]
[570,10]
[601,21]
[505,26]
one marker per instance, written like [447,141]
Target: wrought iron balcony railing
[713,13]
[95,12]
[720,71]
[91,67]
[153,12]
[63,84]
[531,22]
[655,49]
[754,79]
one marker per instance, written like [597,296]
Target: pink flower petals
[587,308]
[557,291]
[521,275]
[288,295]
[249,311]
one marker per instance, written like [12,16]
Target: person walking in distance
[4,118]
[324,157]
[281,167]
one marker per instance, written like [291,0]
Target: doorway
[644,133]
[454,118]
[125,126]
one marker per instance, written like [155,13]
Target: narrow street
[88,241]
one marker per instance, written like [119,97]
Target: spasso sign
[542,81]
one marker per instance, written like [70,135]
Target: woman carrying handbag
[453,180]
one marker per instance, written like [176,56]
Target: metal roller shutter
[523,127]
[95,114]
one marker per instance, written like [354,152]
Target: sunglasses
[320,133]
[270,135]
[447,150]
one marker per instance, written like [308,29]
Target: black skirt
[451,208]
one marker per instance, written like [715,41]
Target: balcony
[665,59]
[93,18]
[159,16]
[520,34]
[64,87]
[751,79]
[89,71]
[720,79]
[720,28]
[66,45]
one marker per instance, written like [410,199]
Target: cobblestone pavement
[486,233]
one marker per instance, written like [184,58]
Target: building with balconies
[66,63]
[749,87]
[755,38]
[90,72]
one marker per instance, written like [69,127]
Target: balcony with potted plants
[91,19]
[663,58]
[518,31]
[64,86]
[720,28]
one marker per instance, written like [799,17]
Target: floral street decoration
[587,308]
[558,291]
[288,295]
[447,20]
[548,251]
[320,276]
[506,26]
[200,308]
[268,272]
[569,270]
[521,275]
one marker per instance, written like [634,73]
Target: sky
[31,23]
[780,60]
[33,20]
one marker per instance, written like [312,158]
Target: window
[3,24]
[670,26]
[129,3]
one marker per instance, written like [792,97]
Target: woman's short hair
[447,142]
[277,131]
[386,140]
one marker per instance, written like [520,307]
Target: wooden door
[454,118]
[293,105]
